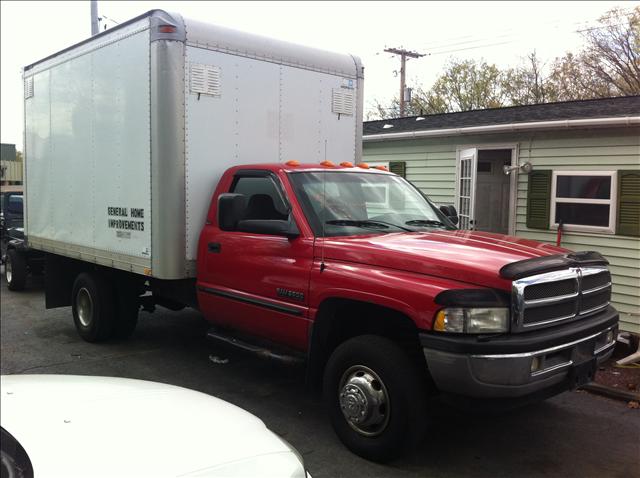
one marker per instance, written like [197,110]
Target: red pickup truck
[357,270]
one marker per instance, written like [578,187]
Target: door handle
[215,247]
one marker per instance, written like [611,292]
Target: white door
[466,187]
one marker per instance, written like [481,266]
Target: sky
[498,32]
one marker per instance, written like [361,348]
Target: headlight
[476,320]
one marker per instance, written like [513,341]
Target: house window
[584,200]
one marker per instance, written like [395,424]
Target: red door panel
[257,283]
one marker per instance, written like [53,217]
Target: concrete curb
[612,392]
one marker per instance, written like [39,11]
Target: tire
[92,304]
[15,270]
[395,385]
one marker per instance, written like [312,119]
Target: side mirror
[274,227]
[450,212]
[231,208]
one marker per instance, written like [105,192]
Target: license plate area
[583,373]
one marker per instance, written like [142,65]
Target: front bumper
[519,365]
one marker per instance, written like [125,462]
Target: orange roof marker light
[381,168]
[328,164]
[346,164]
[363,165]
[293,163]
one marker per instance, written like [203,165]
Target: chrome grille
[550,289]
[560,296]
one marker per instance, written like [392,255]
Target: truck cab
[389,302]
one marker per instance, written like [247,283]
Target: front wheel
[376,397]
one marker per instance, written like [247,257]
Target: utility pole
[95,26]
[404,54]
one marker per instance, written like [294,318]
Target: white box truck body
[128,132]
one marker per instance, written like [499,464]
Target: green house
[523,170]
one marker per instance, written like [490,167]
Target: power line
[513,40]
[110,19]
[509,33]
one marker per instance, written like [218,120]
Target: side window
[15,204]
[264,200]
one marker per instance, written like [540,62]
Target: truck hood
[465,256]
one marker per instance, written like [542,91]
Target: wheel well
[339,320]
[61,272]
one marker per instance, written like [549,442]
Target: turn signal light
[439,324]
[363,165]
[293,163]
[346,164]
[327,164]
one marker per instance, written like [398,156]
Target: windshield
[350,203]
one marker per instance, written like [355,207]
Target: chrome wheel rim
[8,270]
[364,401]
[84,307]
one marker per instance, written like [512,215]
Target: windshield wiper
[365,224]
[425,222]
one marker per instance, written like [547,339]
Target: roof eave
[503,128]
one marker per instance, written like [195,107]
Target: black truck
[19,261]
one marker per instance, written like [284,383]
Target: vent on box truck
[204,79]
[342,102]
[28,87]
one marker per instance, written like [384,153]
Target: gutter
[502,128]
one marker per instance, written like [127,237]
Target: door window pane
[584,187]
[583,214]
[263,198]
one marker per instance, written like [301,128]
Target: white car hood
[101,426]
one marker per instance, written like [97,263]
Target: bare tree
[571,79]
[527,84]
[612,54]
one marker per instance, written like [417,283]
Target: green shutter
[539,199]
[628,203]
[398,167]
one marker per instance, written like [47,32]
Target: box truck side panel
[88,154]
[236,124]
[309,119]
[242,110]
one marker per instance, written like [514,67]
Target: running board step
[257,350]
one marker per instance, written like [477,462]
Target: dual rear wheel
[100,310]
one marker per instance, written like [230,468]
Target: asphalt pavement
[575,434]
